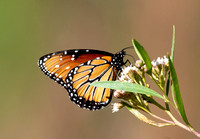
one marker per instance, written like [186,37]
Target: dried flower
[117,106]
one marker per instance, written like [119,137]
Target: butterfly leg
[127,61]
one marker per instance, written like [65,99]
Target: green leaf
[177,93]
[172,59]
[129,87]
[173,45]
[142,54]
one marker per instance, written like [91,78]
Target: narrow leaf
[142,54]
[173,45]
[129,87]
[172,59]
[177,92]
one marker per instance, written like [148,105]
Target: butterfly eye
[76,69]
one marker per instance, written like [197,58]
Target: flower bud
[144,68]
[118,94]
[139,63]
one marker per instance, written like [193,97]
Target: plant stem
[177,123]
[157,117]
[166,97]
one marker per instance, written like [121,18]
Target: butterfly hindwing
[79,79]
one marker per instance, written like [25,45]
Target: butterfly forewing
[57,65]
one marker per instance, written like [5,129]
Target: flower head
[160,61]
[124,74]
[118,94]
[117,106]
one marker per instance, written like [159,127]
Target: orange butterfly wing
[76,69]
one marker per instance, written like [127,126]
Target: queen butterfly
[76,69]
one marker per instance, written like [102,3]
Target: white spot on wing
[45,59]
[76,68]
[88,63]
[57,66]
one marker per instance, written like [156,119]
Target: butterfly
[76,69]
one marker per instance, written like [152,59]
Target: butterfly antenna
[131,57]
[130,47]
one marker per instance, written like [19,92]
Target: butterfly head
[117,60]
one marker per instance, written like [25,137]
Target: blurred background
[34,107]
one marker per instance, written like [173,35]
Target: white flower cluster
[160,61]
[124,74]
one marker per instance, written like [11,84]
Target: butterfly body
[75,69]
